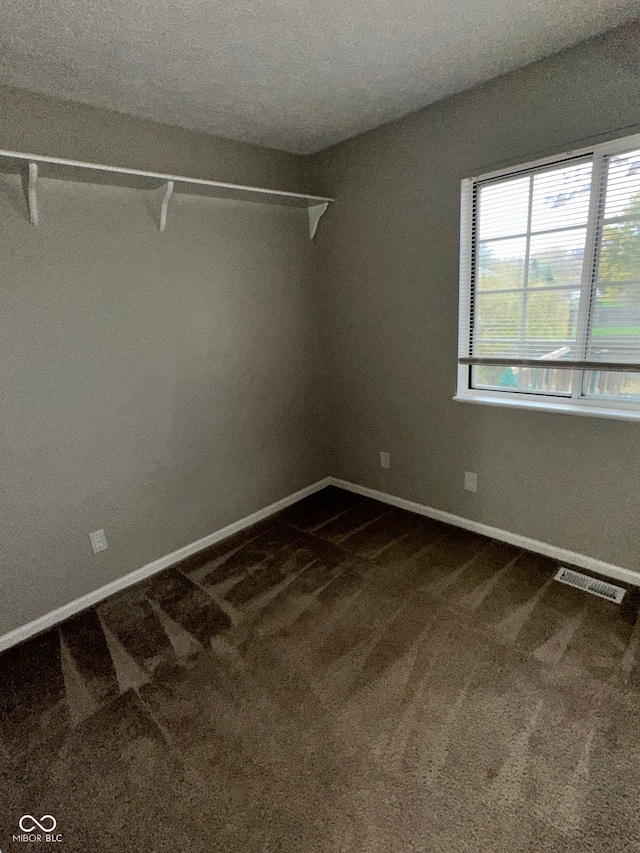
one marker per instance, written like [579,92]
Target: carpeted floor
[343,678]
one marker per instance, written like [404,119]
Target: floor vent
[589,584]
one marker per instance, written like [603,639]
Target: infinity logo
[40,824]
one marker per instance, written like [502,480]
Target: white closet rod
[312,202]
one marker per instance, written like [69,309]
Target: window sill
[561,407]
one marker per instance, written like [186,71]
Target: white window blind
[550,275]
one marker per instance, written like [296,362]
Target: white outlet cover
[471,481]
[385,460]
[98,541]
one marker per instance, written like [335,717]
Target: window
[550,284]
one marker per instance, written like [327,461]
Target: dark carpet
[345,677]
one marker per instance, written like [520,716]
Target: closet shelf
[34,166]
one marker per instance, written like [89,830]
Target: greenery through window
[551,274]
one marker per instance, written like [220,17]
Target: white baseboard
[91,598]
[61,613]
[562,554]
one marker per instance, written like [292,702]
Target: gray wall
[162,386]
[41,125]
[158,385]
[390,273]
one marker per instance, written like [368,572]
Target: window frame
[577,403]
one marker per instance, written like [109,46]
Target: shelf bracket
[29,186]
[315,212]
[168,190]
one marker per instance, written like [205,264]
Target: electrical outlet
[470,481]
[385,460]
[98,541]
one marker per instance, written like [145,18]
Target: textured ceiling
[287,74]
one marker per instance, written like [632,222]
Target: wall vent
[589,584]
